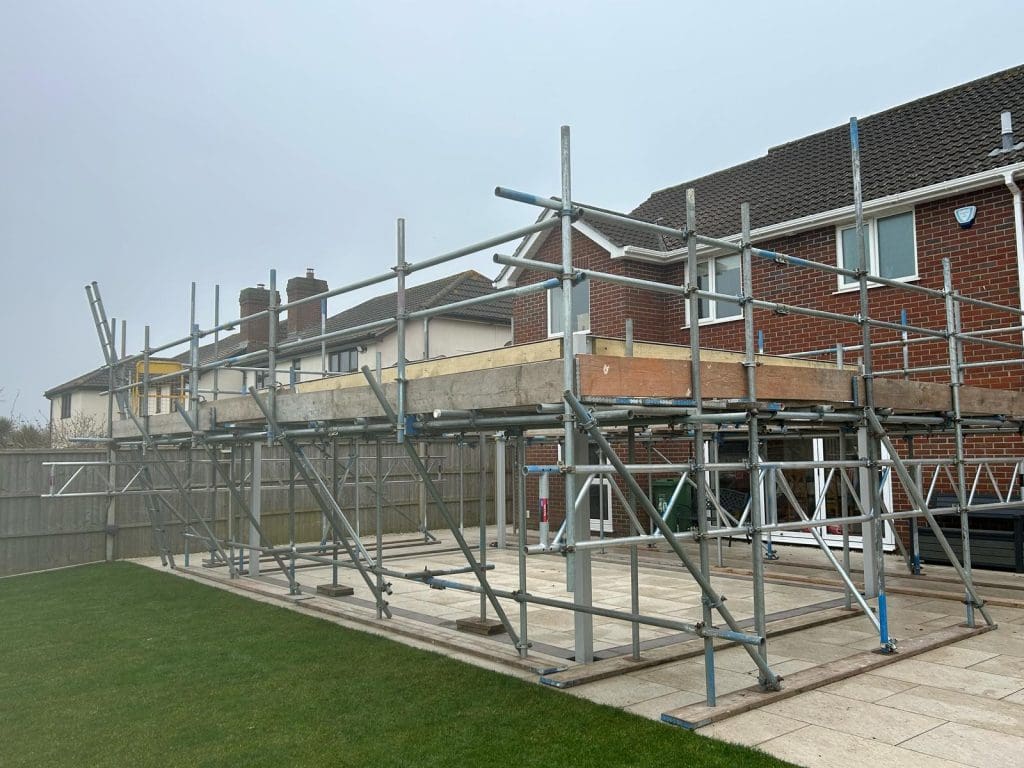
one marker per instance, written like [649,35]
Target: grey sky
[147,145]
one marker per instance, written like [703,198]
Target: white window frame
[558,334]
[713,318]
[871,233]
[336,355]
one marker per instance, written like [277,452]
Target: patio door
[599,495]
[819,491]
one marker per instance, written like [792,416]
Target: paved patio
[959,705]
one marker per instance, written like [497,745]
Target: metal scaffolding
[691,429]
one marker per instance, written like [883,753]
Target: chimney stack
[256,332]
[306,315]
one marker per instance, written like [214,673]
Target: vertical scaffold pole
[216,340]
[634,555]
[482,453]
[500,493]
[590,426]
[379,520]
[520,462]
[111,458]
[874,561]
[753,447]
[577,527]
[256,506]
[193,360]
[272,317]
[700,502]
[955,381]
[400,312]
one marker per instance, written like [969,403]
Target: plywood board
[476,361]
[930,397]
[617,348]
[608,376]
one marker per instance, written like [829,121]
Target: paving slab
[857,718]
[815,746]
[994,686]
[968,745]
[963,708]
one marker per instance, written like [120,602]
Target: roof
[446,290]
[97,379]
[941,137]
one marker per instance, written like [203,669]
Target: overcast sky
[146,145]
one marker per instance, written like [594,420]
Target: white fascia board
[529,246]
[838,216]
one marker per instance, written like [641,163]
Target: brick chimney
[306,315]
[250,301]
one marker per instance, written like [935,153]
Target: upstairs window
[65,405]
[343,361]
[719,274]
[580,308]
[891,248]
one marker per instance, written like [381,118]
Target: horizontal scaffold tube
[590,426]
[699,630]
[639,225]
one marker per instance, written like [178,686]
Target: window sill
[705,323]
[856,287]
[560,334]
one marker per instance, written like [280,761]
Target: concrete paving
[959,705]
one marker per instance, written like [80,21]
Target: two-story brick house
[921,163]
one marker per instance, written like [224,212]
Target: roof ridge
[456,280]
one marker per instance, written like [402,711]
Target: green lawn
[120,665]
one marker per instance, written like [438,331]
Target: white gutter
[844,214]
[1018,233]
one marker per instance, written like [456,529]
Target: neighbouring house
[921,164]
[79,406]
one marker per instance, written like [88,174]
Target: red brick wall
[984,266]
[610,304]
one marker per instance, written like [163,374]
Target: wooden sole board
[698,715]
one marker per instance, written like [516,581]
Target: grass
[120,665]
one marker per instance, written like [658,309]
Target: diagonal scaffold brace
[99,316]
[236,495]
[919,502]
[438,499]
[328,505]
[588,424]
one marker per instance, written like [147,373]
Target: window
[719,274]
[260,379]
[293,372]
[343,361]
[65,405]
[580,306]
[175,394]
[891,247]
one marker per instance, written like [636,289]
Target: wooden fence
[38,532]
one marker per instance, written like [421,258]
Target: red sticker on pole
[543,510]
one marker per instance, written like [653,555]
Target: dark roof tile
[940,137]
